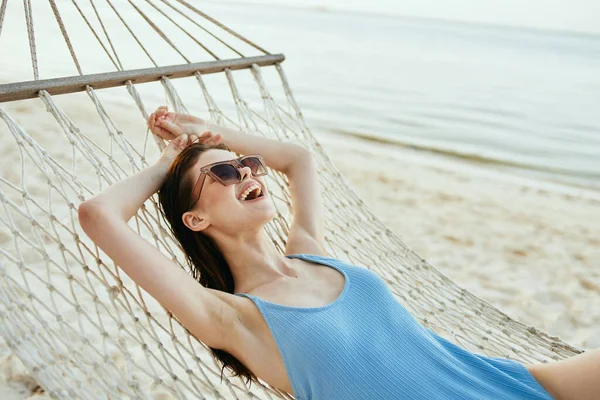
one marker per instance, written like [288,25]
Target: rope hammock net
[80,325]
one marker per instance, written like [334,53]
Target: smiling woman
[204,194]
[283,317]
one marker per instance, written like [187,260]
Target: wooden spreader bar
[71,84]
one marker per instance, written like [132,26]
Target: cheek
[220,199]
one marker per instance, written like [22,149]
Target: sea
[522,100]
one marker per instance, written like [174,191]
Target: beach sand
[534,253]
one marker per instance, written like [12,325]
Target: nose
[245,172]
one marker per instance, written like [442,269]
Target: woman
[315,332]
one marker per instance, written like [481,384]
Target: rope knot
[114,291]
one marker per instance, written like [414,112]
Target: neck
[254,260]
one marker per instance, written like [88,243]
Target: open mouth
[253,192]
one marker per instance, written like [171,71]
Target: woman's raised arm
[306,232]
[211,315]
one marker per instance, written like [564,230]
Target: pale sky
[570,15]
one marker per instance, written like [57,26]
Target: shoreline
[475,165]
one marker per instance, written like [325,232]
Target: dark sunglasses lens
[255,165]
[226,172]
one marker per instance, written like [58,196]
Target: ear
[195,221]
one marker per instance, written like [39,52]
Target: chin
[256,218]
[267,216]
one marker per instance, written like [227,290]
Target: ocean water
[524,101]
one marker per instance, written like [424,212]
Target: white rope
[2,14]
[98,39]
[215,114]
[220,25]
[138,41]
[63,31]
[185,31]
[159,31]
[114,52]
[195,22]
[31,34]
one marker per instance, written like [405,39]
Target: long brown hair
[207,264]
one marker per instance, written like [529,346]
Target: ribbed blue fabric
[366,345]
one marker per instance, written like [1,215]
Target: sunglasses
[228,172]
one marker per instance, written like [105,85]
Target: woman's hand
[180,130]
[175,147]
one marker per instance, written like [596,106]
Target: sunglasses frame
[236,163]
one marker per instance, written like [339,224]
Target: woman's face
[226,208]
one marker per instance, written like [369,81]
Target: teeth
[246,192]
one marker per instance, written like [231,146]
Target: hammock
[80,325]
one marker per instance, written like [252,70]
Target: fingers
[210,138]
[154,123]
[157,130]
[184,140]
[171,116]
[166,125]
[162,110]
[169,126]
[206,135]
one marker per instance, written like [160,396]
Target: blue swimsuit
[366,345]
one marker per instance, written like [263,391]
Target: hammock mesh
[80,325]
